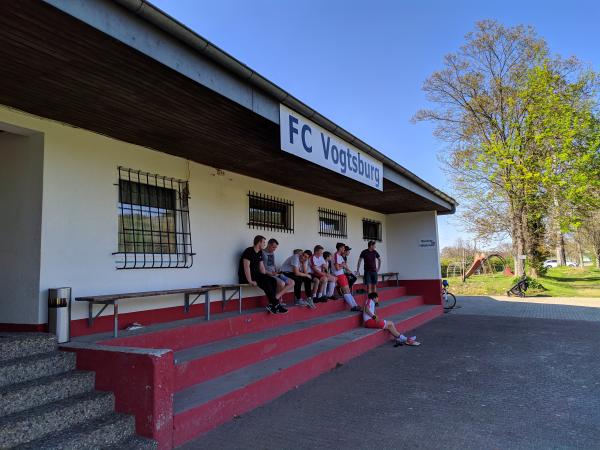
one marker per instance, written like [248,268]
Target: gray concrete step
[135,443]
[219,387]
[204,350]
[35,423]
[105,432]
[30,394]
[18,345]
[27,368]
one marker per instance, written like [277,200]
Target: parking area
[509,380]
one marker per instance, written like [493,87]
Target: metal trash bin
[59,313]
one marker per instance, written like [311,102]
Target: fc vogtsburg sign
[303,138]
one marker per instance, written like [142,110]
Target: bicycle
[448,298]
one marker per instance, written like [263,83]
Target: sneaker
[300,302]
[310,303]
[412,341]
[401,339]
[356,309]
[272,309]
[281,309]
[284,304]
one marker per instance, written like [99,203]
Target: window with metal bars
[332,223]
[371,230]
[154,221]
[270,213]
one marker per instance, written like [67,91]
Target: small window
[332,223]
[371,230]
[270,213]
[154,222]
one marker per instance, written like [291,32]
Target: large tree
[506,153]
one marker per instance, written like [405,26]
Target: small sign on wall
[427,243]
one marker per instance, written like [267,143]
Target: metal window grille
[371,230]
[270,213]
[154,221]
[332,223]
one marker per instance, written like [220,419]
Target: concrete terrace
[495,373]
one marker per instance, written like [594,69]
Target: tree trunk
[518,241]
[579,249]
[561,256]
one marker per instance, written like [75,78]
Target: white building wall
[80,226]
[412,245]
[21,165]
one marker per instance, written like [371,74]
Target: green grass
[558,282]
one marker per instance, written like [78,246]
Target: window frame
[162,197]
[271,207]
[378,236]
[332,216]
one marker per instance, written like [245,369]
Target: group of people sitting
[320,272]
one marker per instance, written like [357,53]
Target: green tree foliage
[522,130]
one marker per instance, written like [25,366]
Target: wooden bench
[390,275]
[113,299]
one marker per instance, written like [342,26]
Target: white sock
[350,300]
[330,288]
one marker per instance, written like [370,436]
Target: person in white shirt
[339,264]
[370,320]
[319,273]
[296,268]
[284,284]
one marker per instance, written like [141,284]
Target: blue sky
[362,64]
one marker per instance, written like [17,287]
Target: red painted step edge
[204,332]
[197,421]
[202,369]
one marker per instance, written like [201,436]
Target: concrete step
[204,406]
[200,363]
[27,368]
[104,432]
[35,423]
[30,394]
[18,345]
[197,331]
[135,443]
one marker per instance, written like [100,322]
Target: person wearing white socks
[339,264]
[320,276]
[331,280]
[370,320]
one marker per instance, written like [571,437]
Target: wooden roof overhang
[55,66]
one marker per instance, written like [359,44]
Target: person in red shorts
[339,264]
[371,320]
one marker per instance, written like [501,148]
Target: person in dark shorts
[296,268]
[252,270]
[372,265]
[284,284]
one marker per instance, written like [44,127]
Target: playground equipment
[454,269]
[482,262]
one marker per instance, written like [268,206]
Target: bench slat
[112,297]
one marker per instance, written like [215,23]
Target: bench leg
[116,319]
[206,306]
[240,294]
[90,314]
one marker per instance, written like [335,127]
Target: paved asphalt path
[477,382]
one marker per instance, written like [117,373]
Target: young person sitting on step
[320,276]
[284,284]
[371,320]
[296,268]
[252,270]
[339,264]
